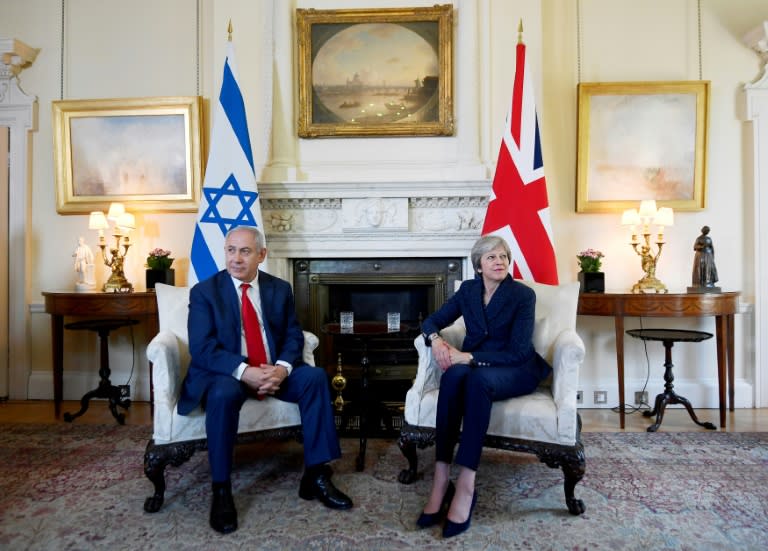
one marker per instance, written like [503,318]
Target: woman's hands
[446,355]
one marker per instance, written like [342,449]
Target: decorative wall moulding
[15,56]
[757,39]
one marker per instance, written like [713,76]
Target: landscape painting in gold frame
[642,140]
[375,72]
[144,152]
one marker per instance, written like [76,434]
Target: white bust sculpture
[84,267]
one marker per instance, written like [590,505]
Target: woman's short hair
[485,245]
[256,232]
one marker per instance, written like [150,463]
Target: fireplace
[370,287]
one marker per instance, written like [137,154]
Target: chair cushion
[529,417]
[556,307]
[173,309]
[255,415]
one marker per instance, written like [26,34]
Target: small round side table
[669,337]
[105,389]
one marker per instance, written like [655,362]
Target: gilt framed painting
[375,72]
[642,140]
[144,152]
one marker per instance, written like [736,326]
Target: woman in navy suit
[496,361]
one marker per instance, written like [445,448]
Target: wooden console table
[93,305]
[722,306]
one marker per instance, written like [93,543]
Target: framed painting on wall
[375,72]
[642,140]
[144,152]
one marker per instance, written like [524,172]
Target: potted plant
[159,268]
[592,280]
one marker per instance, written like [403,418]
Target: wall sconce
[123,222]
[644,217]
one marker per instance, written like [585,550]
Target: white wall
[113,49]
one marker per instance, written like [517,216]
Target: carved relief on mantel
[373,215]
[440,214]
[284,216]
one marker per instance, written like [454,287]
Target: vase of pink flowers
[159,269]
[591,279]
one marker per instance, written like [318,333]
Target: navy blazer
[500,334]
[214,329]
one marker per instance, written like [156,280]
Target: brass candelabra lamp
[644,217]
[124,222]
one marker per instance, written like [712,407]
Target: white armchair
[545,423]
[176,437]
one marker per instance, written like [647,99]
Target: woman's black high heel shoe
[455,528]
[430,519]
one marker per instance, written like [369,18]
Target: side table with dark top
[722,306]
[669,337]
[362,334]
[94,305]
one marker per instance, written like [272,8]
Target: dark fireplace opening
[372,303]
[371,288]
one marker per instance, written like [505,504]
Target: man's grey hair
[485,245]
[253,230]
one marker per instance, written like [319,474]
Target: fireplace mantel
[367,220]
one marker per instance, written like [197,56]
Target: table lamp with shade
[123,223]
[644,217]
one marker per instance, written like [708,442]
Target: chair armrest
[428,373]
[566,364]
[310,344]
[165,354]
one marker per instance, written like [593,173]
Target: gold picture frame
[375,72]
[642,140]
[144,152]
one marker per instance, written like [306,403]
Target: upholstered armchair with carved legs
[545,423]
[177,437]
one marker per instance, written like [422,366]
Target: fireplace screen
[371,288]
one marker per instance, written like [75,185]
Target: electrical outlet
[579,396]
[601,397]
[125,391]
[641,397]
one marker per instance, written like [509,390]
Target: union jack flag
[518,208]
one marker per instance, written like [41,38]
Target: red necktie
[257,354]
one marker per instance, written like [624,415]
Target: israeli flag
[229,197]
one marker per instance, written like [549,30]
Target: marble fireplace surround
[402,219]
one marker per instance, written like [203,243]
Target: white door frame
[18,112]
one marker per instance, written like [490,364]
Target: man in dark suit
[221,376]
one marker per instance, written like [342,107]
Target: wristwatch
[429,338]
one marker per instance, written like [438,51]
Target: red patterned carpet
[83,487]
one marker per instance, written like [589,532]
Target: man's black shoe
[316,483]
[223,512]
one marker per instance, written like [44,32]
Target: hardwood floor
[593,420]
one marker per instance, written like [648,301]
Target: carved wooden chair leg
[408,449]
[573,471]
[156,458]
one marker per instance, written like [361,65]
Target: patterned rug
[82,487]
